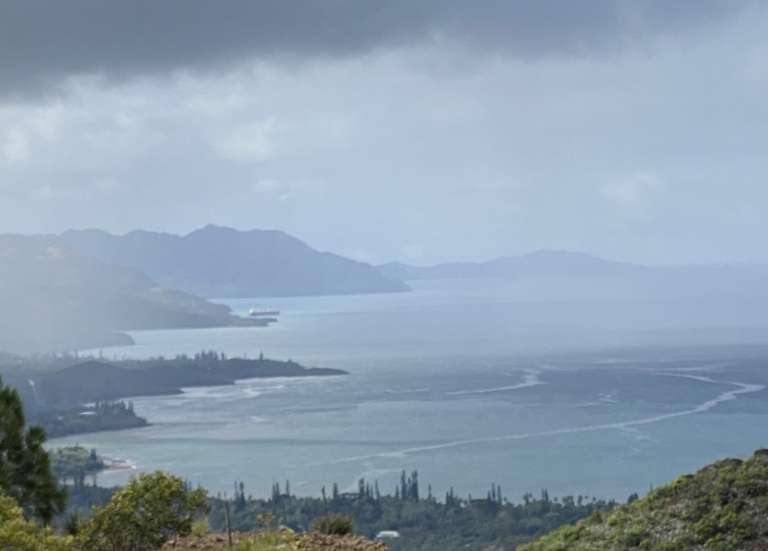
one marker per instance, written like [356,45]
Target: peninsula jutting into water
[68,395]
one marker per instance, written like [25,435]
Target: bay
[470,382]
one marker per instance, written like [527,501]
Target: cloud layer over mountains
[415,131]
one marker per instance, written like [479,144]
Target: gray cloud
[632,132]
[43,41]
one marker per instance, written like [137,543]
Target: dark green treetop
[25,471]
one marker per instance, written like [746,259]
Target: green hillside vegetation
[723,507]
[424,522]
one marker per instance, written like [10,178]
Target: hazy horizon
[417,263]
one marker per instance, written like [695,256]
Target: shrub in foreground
[334,525]
[148,512]
[19,534]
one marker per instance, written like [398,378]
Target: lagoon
[470,382]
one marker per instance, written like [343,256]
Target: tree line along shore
[67,394]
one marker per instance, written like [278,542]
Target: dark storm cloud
[43,41]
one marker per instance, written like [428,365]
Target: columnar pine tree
[25,471]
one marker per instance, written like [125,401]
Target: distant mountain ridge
[565,275]
[222,262]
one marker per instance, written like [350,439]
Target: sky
[394,130]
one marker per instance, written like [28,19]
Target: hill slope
[222,262]
[723,507]
[52,298]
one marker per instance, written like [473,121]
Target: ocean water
[469,382]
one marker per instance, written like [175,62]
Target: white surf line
[406,391]
[710,367]
[607,398]
[700,378]
[743,388]
[531,378]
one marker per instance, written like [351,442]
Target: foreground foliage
[19,534]
[723,507]
[333,525]
[25,471]
[278,540]
[423,522]
[145,514]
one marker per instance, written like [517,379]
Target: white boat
[260,312]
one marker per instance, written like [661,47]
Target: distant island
[71,396]
[536,264]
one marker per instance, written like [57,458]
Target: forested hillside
[723,507]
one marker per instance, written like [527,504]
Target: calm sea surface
[471,383]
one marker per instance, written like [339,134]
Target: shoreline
[94,395]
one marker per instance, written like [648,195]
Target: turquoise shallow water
[466,382]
